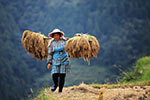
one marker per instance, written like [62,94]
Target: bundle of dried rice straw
[35,43]
[82,45]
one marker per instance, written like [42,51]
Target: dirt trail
[81,92]
[86,92]
[126,93]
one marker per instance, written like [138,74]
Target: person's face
[56,36]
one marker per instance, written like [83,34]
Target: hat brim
[51,34]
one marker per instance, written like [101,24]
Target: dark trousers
[59,79]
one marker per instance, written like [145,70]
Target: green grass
[141,73]
[44,96]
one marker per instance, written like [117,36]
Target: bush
[140,73]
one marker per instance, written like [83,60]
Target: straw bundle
[82,45]
[35,43]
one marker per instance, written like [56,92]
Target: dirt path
[81,92]
[86,92]
[125,93]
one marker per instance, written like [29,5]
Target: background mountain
[122,28]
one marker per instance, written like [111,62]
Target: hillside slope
[134,85]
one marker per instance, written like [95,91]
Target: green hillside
[140,73]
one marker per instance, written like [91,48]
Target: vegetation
[121,27]
[44,96]
[141,72]
[138,76]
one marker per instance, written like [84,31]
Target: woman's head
[58,32]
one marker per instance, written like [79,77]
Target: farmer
[58,59]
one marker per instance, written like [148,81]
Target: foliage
[43,96]
[140,73]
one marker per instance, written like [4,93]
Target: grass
[119,85]
[139,76]
[141,73]
[44,96]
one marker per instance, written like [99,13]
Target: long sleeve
[50,53]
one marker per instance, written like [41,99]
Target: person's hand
[48,66]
